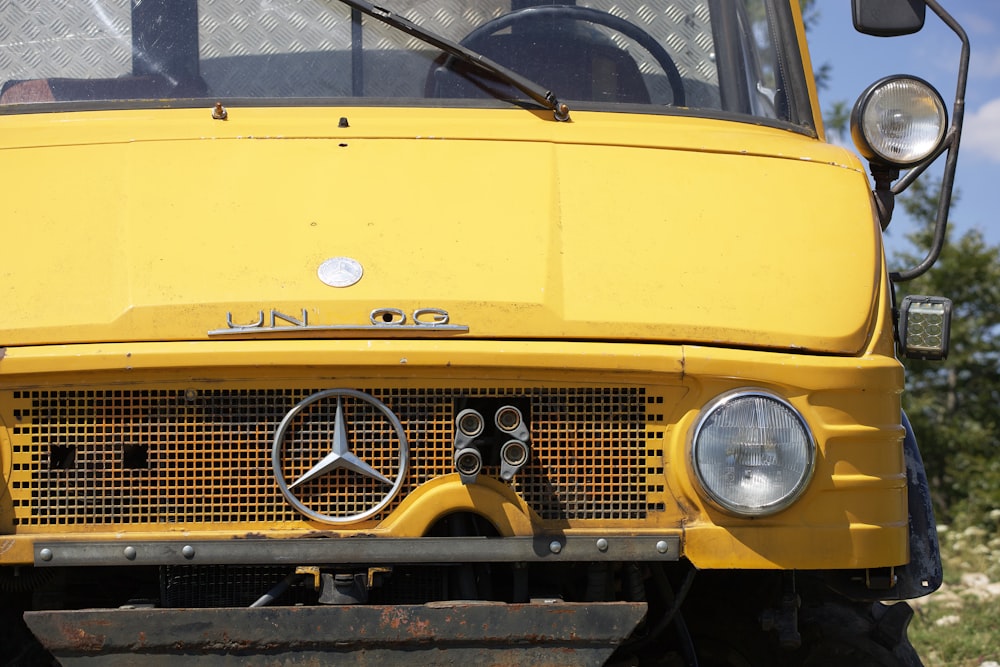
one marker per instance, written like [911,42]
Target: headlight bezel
[868,142]
[720,501]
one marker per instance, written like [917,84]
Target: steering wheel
[531,15]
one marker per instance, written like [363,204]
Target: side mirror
[889,18]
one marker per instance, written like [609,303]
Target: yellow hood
[751,237]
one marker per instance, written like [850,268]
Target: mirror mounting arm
[951,145]
[885,197]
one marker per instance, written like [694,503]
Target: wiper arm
[545,98]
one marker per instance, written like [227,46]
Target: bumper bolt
[45,554]
[555,546]
[602,545]
[662,547]
[188,551]
[130,553]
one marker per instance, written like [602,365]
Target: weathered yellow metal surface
[166,225]
[715,255]
[855,504]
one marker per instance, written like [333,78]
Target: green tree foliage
[810,13]
[953,405]
[837,120]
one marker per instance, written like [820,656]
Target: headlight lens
[899,121]
[752,452]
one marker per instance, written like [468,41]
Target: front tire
[838,634]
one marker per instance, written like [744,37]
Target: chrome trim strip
[359,330]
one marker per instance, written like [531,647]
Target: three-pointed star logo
[341,456]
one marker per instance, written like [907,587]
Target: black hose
[634,584]
[274,593]
[674,603]
[687,644]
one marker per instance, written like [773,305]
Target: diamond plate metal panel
[683,27]
[46,38]
[275,48]
[302,48]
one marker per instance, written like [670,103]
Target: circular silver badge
[340,456]
[340,271]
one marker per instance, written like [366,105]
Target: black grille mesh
[226,586]
[197,456]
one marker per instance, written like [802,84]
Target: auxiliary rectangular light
[925,327]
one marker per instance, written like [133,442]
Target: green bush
[959,626]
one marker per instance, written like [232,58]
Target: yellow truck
[530,332]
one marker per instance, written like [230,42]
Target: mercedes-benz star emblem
[340,271]
[340,487]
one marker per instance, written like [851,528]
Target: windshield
[703,56]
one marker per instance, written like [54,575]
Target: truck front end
[494,334]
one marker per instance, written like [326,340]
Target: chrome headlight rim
[721,502]
[866,142]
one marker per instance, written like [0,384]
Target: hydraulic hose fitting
[468,463]
[513,456]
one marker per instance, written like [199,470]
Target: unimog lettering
[379,318]
[247,429]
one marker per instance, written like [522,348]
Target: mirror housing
[889,18]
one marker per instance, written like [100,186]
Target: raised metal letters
[275,316]
[430,317]
[381,321]
[387,316]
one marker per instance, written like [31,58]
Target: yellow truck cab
[502,332]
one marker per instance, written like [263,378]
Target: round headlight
[899,121]
[752,452]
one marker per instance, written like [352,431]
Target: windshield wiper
[538,93]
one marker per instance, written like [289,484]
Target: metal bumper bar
[359,550]
[453,633]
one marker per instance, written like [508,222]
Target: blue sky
[933,54]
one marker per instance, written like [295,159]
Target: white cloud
[981,134]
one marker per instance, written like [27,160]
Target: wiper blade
[545,98]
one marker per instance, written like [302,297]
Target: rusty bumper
[452,633]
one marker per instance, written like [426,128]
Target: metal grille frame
[200,457]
